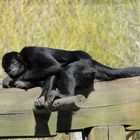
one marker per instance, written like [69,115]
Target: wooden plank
[99,133]
[112,103]
[117,133]
[17,118]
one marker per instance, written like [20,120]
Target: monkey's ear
[19,57]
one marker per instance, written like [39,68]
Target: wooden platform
[112,103]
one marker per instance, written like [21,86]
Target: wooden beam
[66,103]
[112,103]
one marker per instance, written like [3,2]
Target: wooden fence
[108,112]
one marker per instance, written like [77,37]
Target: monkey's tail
[105,73]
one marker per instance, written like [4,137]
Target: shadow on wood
[41,127]
[115,103]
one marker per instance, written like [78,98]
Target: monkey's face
[16,68]
[13,64]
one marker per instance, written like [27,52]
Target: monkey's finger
[50,98]
[5,84]
[37,103]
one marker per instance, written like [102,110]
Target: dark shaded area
[64,120]
[41,128]
[86,133]
[85,91]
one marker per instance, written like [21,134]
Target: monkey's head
[13,64]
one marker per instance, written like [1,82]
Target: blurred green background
[107,29]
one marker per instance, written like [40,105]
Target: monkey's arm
[8,82]
[41,73]
[26,85]
[46,94]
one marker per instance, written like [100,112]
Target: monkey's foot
[39,103]
[53,95]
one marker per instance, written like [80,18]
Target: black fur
[65,70]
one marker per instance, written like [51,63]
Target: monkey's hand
[40,102]
[26,85]
[8,82]
[20,84]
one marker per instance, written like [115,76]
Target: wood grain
[112,103]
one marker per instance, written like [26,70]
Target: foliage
[109,31]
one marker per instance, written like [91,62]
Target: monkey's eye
[14,65]
[19,58]
[14,62]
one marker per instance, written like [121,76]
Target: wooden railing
[107,113]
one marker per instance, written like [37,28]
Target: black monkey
[36,64]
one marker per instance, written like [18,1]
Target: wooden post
[107,133]
[75,135]
[117,133]
[99,133]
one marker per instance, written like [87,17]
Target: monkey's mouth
[14,72]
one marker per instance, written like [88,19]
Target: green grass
[109,31]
